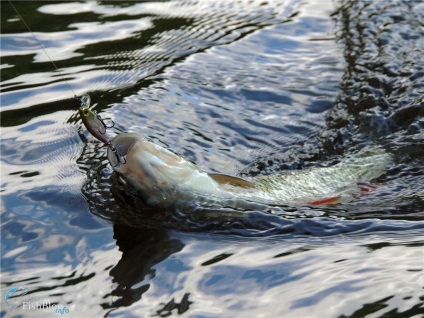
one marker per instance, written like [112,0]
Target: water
[249,87]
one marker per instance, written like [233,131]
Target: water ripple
[240,86]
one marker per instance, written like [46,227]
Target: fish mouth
[155,171]
[120,147]
[142,164]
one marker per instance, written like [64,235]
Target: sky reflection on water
[234,86]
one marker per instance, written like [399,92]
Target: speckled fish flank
[166,178]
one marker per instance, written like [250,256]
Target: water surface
[238,87]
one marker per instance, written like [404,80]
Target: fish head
[158,173]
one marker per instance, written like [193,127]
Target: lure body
[92,121]
[165,178]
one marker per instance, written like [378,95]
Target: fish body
[164,178]
[334,184]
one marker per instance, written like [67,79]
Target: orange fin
[234,181]
[325,201]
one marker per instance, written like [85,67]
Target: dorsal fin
[235,181]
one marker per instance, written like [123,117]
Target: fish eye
[86,112]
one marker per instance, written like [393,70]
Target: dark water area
[238,87]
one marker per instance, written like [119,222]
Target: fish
[164,178]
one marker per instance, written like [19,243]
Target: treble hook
[104,125]
[120,159]
[97,127]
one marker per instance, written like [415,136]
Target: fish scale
[165,178]
[338,180]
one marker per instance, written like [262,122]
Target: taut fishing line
[42,47]
[92,121]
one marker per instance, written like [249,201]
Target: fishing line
[42,47]
[84,99]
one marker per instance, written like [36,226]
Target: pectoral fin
[234,181]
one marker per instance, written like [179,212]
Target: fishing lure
[91,120]
[97,127]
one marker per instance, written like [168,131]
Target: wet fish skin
[339,181]
[161,176]
[166,178]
